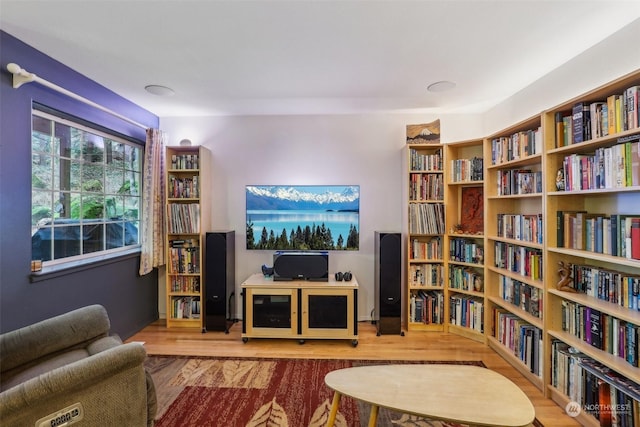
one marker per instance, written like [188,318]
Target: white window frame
[116,202]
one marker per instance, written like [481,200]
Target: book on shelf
[516,146]
[613,235]
[425,162]
[519,259]
[560,142]
[567,127]
[527,227]
[426,275]
[521,338]
[467,312]
[604,393]
[183,187]
[581,122]
[601,330]
[522,295]
[635,238]
[183,218]
[597,112]
[184,256]
[184,161]
[466,250]
[427,307]
[590,120]
[426,218]
[609,285]
[633,115]
[616,166]
[431,249]
[426,186]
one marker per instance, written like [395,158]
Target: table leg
[334,409]
[373,418]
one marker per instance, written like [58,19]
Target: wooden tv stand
[299,309]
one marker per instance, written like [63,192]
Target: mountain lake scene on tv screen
[303,217]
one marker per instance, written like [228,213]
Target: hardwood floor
[158,340]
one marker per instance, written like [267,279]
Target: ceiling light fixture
[441,86]
[159,90]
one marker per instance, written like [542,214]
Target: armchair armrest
[111,386]
[49,336]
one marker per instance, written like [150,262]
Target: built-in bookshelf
[426,252]
[187,216]
[560,257]
[465,246]
[592,190]
[514,286]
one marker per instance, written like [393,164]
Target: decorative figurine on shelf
[566,280]
[477,284]
[560,180]
[457,229]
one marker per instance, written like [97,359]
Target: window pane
[41,143]
[131,209]
[41,128]
[114,180]
[63,145]
[75,178]
[132,158]
[61,174]
[114,207]
[75,141]
[115,235]
[131,232]
[92,238]
[115,153]
[41,207]
[93,148]
[41,242]
[66,242]
[92,178]
[41,165]
[62,202]
[92,207]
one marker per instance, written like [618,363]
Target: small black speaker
[388,282]
[301,265]
[219,276]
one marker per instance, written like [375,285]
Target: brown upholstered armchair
[70,368]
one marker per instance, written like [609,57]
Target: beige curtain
[153,197]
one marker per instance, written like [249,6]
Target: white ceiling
[241,57]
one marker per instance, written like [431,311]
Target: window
[85,190]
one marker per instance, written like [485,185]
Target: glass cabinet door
[328,313]
[272,312]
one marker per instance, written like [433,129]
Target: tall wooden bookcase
[426,216]
[188,218]
[600,322]
[514,268]
[464,239]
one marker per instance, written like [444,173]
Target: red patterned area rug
[261,392]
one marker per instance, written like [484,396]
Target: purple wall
[131,301]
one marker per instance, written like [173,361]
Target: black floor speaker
[219,277]
[388,280]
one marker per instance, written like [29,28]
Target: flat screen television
[303,217]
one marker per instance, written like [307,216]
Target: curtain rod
[21,76]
